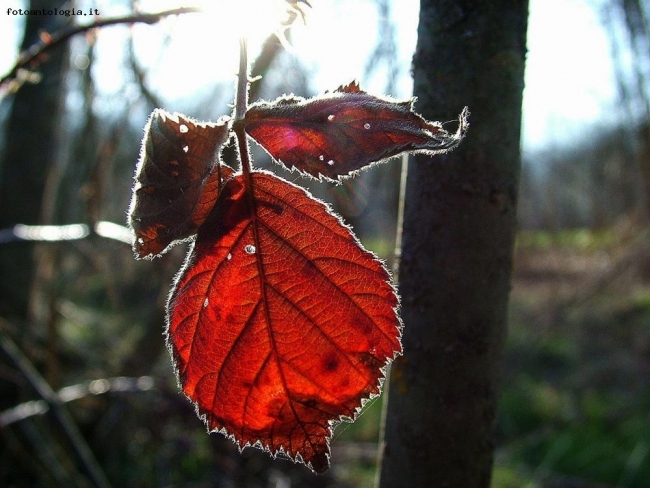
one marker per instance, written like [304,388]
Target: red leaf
[280,323]
[339,133]
[177,181]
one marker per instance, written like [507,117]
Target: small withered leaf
[177,181]
[336,134]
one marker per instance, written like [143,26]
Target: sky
[569,75]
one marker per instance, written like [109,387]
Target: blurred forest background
[87,392]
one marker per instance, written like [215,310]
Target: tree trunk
[456,251]
[30,140]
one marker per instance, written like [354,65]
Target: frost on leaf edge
[281,451]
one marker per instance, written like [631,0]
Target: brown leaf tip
[320,462]
[352,87]
[442,141]
[177,180]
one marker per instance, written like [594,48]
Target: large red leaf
[338,133]
[177,180]
[280,323]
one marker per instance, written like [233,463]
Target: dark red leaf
[280,323]
[177,180]
[339,133]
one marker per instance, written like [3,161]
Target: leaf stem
[241,105]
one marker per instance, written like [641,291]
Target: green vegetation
[577,239]
[575,398]
[575,401]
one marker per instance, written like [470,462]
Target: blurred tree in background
[25,160]
[575,401]
[603,175]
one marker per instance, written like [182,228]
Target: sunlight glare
[253,19]
[186,54]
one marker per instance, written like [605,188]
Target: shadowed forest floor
[575,403]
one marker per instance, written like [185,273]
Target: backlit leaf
[280,323]
[338,133]
[177,181]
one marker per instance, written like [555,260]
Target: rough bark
[456,251]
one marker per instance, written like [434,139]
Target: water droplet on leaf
[229,257]
[331,162]
[205,302]
[181,150]
[344,125]
[321,157]
[249,249]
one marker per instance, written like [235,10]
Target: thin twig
[140,76]
[48,463]
[62,416]
[31,55]
[241,106]
[60,233]
[75,392]
[241,102]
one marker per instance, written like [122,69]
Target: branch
[140,76]
[75,392]
[62,416]
[59,233]
[30,56]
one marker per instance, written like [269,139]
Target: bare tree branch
[62,416]
[75,392]
[30,57]
[70,232]
[140,76]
